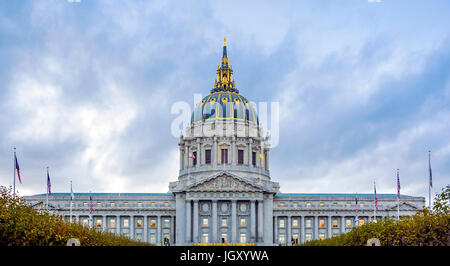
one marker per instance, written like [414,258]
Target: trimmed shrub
[22,225]
[425,228]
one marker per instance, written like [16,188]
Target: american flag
[431,174]
[49,184]
[376,198]
[90,205]
[398,185]
[17,168]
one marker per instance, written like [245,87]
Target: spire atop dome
[224,80]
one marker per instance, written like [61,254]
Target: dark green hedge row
[22,225]
[428,227]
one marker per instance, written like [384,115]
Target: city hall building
[224,192]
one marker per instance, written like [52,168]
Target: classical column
[233,151]
[289,230]
[195,224]
[199,152]
[181,159]
[250,162]
[214,155]
[131,226]
[303,229]
[105,228]
[342,224]
[316,227]
[180,232]
[329,225]
[268,220]
[118,224]
[145,238]
[260,221]
[186,157]
[252,221]
[277,238]
[188,221]
[233,221]
[173,237]
[158,238]
[214,221]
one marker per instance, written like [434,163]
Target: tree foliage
[22,225]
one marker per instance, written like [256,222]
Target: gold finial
[224,41]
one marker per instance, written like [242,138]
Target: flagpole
[375,203]
[398,196]
[429,181]
[357,218]
[47,188]
[70,201]
[14,183]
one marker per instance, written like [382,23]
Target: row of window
[308,223]
[321,204]
[121,204]
[224,157]
[224,238]
[224,222]
[295,238]
[139,222]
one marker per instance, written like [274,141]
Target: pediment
[404,207]
[224,182]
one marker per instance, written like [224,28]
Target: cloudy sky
[363,88]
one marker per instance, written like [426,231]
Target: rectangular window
[321,236]
[322,204]
[99,204]
[207,156]
[240,156]
[138,223]
[113,204]
[295,223]
[152,223]
[308,223]
[335,223]
[166,223]
[224,222]
[295,238]
[223,238]
[348,223]
[139,204]
[85,221]
[153,238]
[321,223]
[205,222]
[205,238]
[125,204]
[85,204]
[99,222]
[254,158]
[243,238]
[126,223]
[166,238]
[282,224]
[139,236]
[308,236]
[282,239]
[361,222]
[224,156]
[308,205]
[282,205]
[194,158]
[112,222]
[243,222]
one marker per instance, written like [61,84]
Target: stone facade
[224,191]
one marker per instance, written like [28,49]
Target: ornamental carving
[224,183]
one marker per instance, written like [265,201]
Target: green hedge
[425,228]
[22,225]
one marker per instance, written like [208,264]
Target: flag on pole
[398,185]
[356,202]
[429,166]
[376,198]
[49,184]
[71,192]
[192,157]
[17,168]
[90,205]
